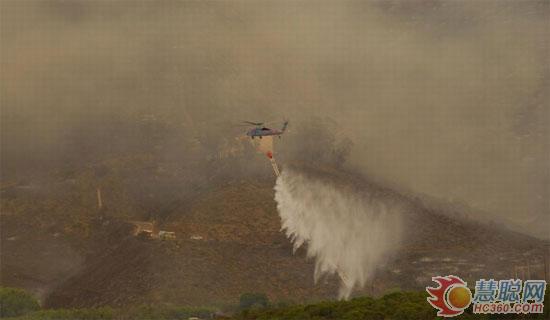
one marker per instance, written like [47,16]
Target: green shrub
[163,312]
[396,305]
[393,306]
[102,313]
[15,302]
[253,300]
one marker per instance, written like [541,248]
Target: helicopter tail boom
[285,125]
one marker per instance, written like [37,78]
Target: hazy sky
[447,98]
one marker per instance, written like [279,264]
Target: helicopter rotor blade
[254,123]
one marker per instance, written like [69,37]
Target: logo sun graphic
[450,297]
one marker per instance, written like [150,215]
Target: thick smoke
[444,98]
[348,232]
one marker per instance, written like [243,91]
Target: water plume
[349,232]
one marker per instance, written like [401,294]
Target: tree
[250,300]
[15,302]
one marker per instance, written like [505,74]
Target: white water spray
[348,233]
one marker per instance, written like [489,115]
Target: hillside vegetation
[57,243]
[396,305]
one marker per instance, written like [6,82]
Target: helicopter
[261,131]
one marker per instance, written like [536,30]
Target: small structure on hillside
[146,228]
[150,230]
[167,235]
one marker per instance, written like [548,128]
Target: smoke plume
[446,98]
[348,232]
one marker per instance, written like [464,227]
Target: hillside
[236,247]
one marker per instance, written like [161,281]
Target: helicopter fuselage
[262,132]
